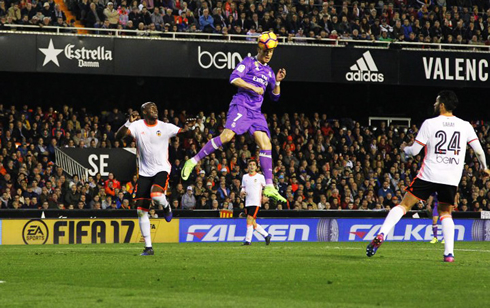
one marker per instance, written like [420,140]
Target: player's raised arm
[189,129]
[419,143]
[124,131]
[480,154]
[276,87]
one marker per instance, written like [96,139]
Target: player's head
[252,165]
[267,42]
[447,99]
[149,111]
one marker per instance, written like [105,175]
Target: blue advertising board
[233,230]
[356,230]
[326,230]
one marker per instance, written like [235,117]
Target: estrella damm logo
[35,232]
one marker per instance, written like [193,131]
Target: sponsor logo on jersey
[365,70]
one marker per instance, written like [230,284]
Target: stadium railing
[155,35]
[70,165]
[391,120]
[109,213]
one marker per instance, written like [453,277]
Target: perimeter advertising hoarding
[121,162]
[84,231]
[75,54]
[233,230]
[368,66]
[445,69]
[325,230]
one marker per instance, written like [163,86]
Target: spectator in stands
[206,22]
[112,15]
[188,199]
[94,19]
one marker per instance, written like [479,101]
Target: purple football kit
[245,113]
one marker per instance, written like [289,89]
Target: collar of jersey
[149,125]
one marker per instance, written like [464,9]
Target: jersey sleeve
[423,135]
[133,129]
[470,133]
[271,86]
[262,181]
[241,70]
[171,130]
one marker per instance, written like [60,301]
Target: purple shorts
[240,119]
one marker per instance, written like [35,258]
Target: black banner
[447,69]
[83,55]
[121,162]
[216,59]
[364,66]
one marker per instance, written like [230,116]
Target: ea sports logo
[35,232]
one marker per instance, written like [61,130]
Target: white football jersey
[253,187]
[445,139]
[152,146]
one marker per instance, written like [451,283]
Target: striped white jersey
[445,139]
[253,187]
[152,146]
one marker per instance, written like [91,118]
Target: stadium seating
[319,163]
[453,22]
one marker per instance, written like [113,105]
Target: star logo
[51,54]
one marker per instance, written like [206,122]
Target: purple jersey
[258,74]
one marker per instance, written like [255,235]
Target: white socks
[261,230]
[144,220]
[250,231]
[448,233]
[392,219]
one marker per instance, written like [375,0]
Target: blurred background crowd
[320,163]
[427,21]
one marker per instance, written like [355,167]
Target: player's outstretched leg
[374,245]
[264,233]
[209,148]
[159,198]
[248,235]
[434,234]
[265,157]
[391,220]
[144,221]
[448,233]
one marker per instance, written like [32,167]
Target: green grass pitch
[229,275]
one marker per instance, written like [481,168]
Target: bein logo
[219,60]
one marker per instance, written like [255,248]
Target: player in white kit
[152,138]
[444,138]
[252,186]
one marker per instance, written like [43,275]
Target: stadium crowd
[319,163]
[428,21]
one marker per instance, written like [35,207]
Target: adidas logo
[365,70]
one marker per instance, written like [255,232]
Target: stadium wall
[69,54]
[184,230]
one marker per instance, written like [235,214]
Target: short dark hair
[252,161]
[449,99]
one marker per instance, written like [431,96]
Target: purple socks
[434,230]
[265,157]
[209,148]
